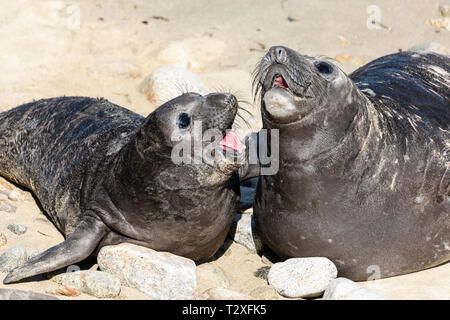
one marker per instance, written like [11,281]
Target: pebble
[13,294]
[95,283]
[243,231]
[7,207]
[264,293]
[302,277]
[160,275]
[345,289]
[15,195]
[168,82]
[224,294]
[210,276]
[12,258]
[17,228]
[3,240]
[444,9]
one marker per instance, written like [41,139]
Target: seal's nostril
[279,53]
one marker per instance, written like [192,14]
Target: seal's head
[297,87]
[193,134]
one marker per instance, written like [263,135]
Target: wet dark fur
[365,181]
[104,175]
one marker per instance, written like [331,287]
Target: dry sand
[106,48]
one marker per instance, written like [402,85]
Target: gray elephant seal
[364,161]
[105,175]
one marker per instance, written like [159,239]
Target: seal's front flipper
[78,246]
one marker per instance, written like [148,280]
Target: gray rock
[13,294]
[210,276]
[224,294]
[7,207]
[95,283]
[345,289]
[168,82]
[160,275]
[17,228]
[243,231]
[12,258]
[302,277]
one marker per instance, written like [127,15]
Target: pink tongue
[231,141]
[279,82]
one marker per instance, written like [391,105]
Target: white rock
[95,283]
[345,289]
[243,231]
[160,275]
[302,277]
[225,294]
[15,195]
[12,258]
[168,82]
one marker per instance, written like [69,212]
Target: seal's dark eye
[324,67]
[183,121]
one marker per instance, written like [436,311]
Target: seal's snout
[223,100]
[278,54]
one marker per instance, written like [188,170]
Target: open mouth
[231,142]
[278,81]
[299,91]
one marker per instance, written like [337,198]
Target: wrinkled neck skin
[147,186]
[336,129]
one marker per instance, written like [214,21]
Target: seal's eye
[183,121]
[324,67]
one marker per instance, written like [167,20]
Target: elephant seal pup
[364,175]
[105,175]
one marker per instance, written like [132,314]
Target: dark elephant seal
[105,175]
[364,161]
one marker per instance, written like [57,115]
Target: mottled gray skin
[104,175]
[364,173]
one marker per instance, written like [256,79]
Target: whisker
[245,121]
[248,112]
